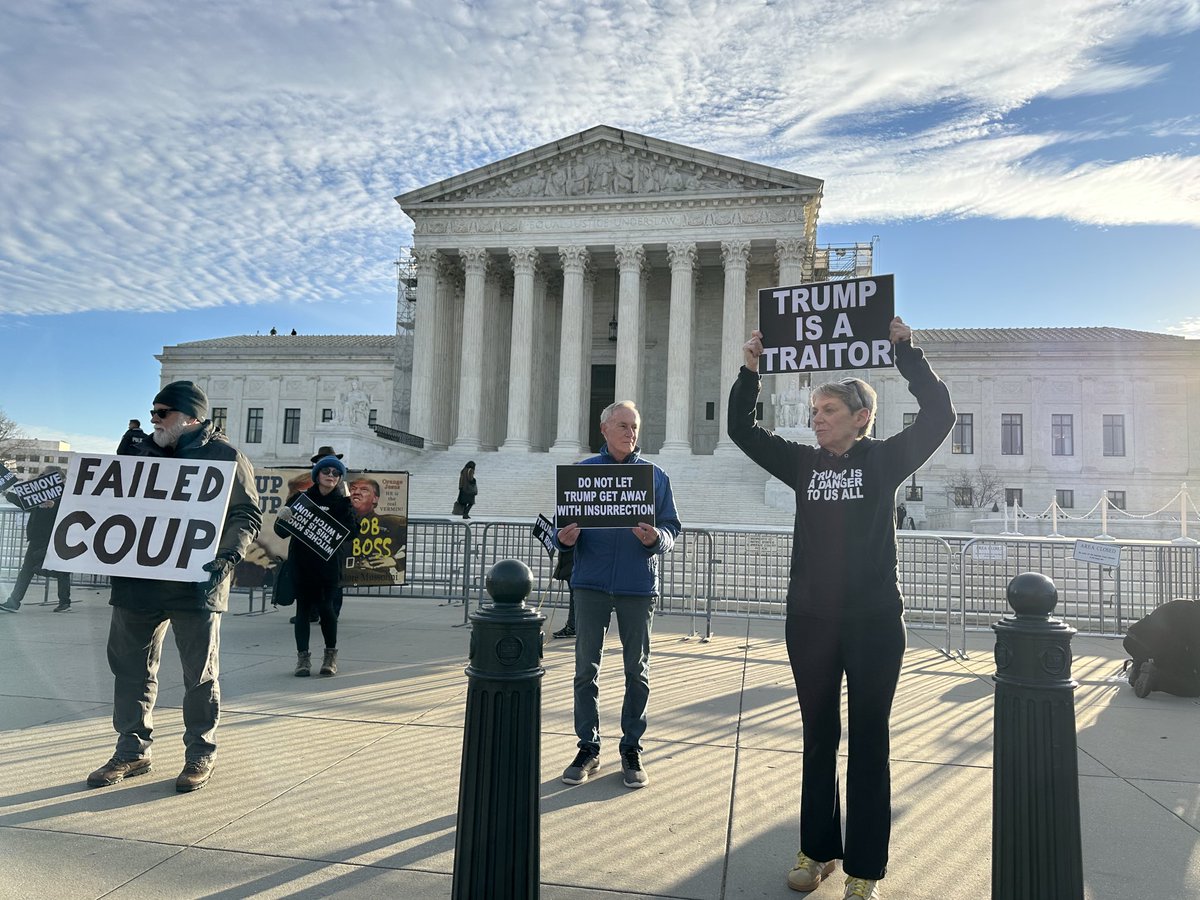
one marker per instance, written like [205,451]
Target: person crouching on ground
[844,608]
[318,581]
[143,607]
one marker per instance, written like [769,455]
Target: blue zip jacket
[613,560]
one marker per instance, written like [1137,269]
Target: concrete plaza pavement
[348,786]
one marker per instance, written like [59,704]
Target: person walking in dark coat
[132,439]
[38,528]
[468,490]
[318,581]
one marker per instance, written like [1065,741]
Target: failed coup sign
[827,325]
[141,518]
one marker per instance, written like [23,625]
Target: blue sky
[172,172]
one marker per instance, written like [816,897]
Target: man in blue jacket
[616,570]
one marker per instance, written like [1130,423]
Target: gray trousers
[135,639]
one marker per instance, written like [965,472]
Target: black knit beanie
[185,397]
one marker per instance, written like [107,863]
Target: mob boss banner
[141,517]
[827,325]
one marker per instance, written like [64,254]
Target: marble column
[520,372]
[735,255]
[497,309]
[679,348]
[470,376]
[631,339]
[573,353]
[789,254]
[446,345]
[585,385]
[420,415]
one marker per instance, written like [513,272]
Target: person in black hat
[143,607]
[322,452]
[317,580]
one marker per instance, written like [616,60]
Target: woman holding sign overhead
[844,608]
[318,580]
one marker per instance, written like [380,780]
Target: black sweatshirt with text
[844,541]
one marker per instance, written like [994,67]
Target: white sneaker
[808,872]
[861,889]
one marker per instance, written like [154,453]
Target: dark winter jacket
[844,540]
[242,522]
[131,441]
[613,560]
[307,564]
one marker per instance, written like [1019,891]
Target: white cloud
[1189,328]
[155,156]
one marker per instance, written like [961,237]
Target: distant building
[31,456]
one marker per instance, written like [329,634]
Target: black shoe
[1145,680]
[583,768]
[631,767]
[9,606]
[63,606]
[565,632]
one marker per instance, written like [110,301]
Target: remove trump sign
[141,517]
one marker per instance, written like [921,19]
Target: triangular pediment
[607,163]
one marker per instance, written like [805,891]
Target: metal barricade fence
[436,564]
[515,540]
[1095,599]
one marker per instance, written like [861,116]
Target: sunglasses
[162,413]
[329,470]
[858,392]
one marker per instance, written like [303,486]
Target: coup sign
[141,517]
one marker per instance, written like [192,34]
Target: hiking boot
[195,774]
[9,606]
[329,663]
[303,664]
[565,632]
[1144,683]
[117,769]
[809,872]
[631,768]
[861,889]
[582,769]
[63,606]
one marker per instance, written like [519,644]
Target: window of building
[1012,434]
[326,415]
[1117,499]
[254,425]
[909,418]
[1114,435]
[47,459]
[1014,497]
[963,440]
[710,410]
[372,418]
[964,496]
[291,426]
[1062,435]
[220,416]
[62,460]
[1065,499]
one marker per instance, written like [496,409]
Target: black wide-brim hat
[322,452]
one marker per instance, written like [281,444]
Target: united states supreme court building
[612,265]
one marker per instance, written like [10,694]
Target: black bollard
[1036,850]
[497,846]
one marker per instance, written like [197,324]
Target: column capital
[735,254]
[790,251]
[631,257]
[475,260]
[524,259]
[682,255]
[575,258]
[427,259]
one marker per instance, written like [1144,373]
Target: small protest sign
[827,325]
[38,490]
[314,527]
[7,478]
[141,518]
[604,496]
[543,530]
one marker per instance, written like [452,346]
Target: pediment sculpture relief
[607,170]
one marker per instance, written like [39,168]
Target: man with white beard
[143,607]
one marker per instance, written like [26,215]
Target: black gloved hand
[221,567]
